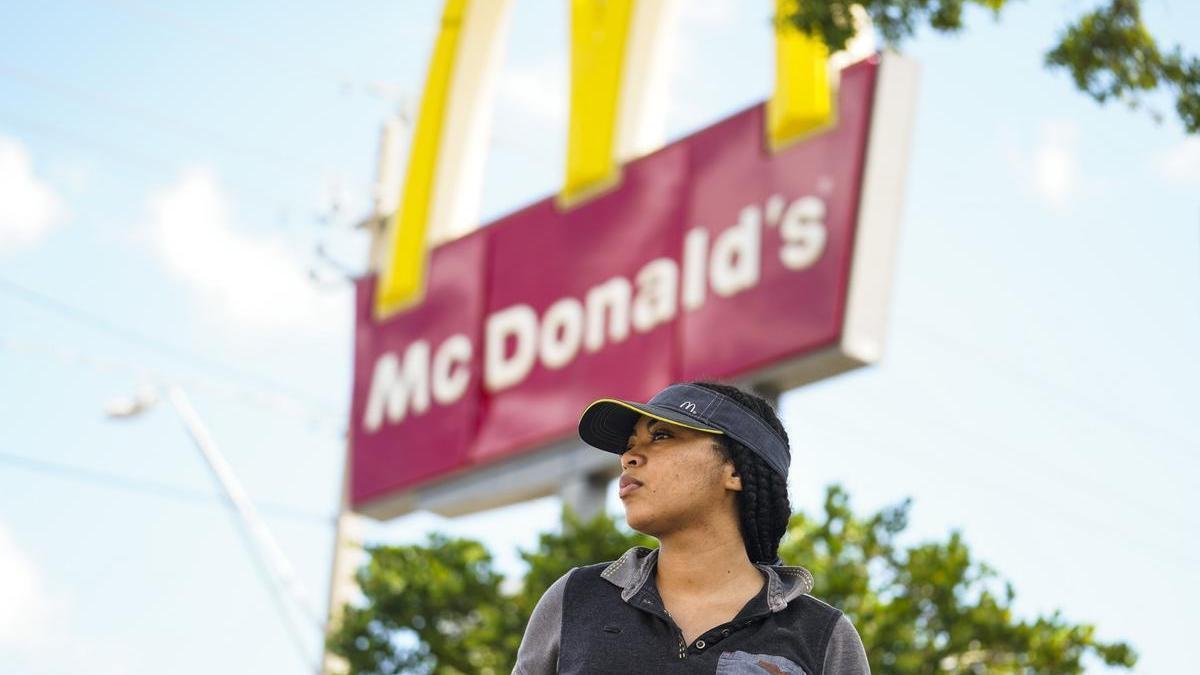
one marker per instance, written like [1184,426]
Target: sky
[179,185]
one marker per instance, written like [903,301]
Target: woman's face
[684,481]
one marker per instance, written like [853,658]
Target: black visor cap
[607,423]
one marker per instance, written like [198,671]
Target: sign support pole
[347,555]
[585,494]
[347,532]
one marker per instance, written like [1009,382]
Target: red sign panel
[712,259]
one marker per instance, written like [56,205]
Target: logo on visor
[688,406]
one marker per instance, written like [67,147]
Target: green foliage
[579,543]
[444,594]
[1108,52]
[1110,55]
[930,607]
[896,20]
[441,608]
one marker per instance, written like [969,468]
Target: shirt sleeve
[845,654]
[538,654]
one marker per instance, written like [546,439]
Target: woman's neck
[703,559]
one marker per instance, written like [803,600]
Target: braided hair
[763,506]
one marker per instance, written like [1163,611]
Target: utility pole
[347,556]
[347,538]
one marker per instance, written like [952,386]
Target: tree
[1108,52]
[441,607]
[930,607]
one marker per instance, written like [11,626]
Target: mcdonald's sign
[758,249]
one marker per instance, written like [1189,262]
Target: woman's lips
[628,484]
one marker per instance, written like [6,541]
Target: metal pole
[585,494]
[262,545]
[347,556]
[347,537]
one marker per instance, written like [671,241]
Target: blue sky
[166,173]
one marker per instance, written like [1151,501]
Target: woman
[704,471]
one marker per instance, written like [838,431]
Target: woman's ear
[732,480]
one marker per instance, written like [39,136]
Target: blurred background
[179,191]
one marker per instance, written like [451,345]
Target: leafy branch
[1108,52]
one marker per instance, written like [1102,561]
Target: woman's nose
[629,460]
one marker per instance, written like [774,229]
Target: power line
[158,15]
[133,485]
[156,167]
[161,490]
[273,402]
[154,118]
[1015,372]
[149,488]
[1081,481]
[96,322]
[124,156]
[1051,508]
[212,33]
[273,565]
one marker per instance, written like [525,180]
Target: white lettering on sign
[735,263]
[657,286]
[451,369]
[803,232]
[695,251]
[393,387]
[610,299]
[400,386]
[562,330]
[516,338]
[502,369]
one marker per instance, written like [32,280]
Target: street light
[274,566]
[132,406]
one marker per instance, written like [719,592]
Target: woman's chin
[637,520]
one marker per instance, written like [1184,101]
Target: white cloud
[1181,163]
[538,91]
[72,176]
[698,89]
[537,94]
[36,626]
[28,206]
[708,13]
[1055,164]
[254,280]
[25,606]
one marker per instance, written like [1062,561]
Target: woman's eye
[659,434]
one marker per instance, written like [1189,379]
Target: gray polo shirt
[609,618]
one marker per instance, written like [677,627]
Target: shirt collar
[631,571]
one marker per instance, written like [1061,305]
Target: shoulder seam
[837,616]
